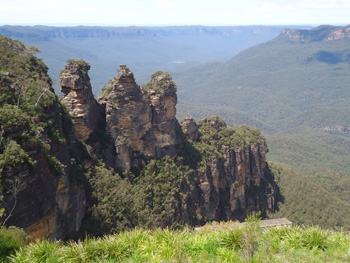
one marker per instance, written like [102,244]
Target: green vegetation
[305,202]
[116,203]
[158,197]
[82,65]
[241,243]
[30,114]
[159,194]
[275,83]
[11,239]
[297,93]
[323,158]
[25,90]
[234,137]
[214,140]
[166,186]
[158,85]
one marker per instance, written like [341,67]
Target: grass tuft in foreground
[240,243]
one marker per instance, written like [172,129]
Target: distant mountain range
[299,78]
[143,49]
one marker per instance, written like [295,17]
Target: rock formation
[161,93]
[340,33]
[46,200]
[190,128]
[39,188]
[321,33]
[79,100]
[128,118]
[141,122]
[232,185]
[224,165]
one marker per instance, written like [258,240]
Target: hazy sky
[174,12]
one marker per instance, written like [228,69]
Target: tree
[17,186]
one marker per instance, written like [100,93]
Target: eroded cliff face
[141,122]
[340,33]
[321,33]
[161,95]
[79,100]
[39,183]
[128,119]
[44,198]
[231,182]
[47,149]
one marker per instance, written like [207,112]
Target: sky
[174,12]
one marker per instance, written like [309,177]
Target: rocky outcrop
[190,128]
[128,119]
[141,122]
[143,125]
[79,100]
[161,95]
[216,171]
[46,200]
[341,33]
[232,183]
[340,129]
[39,178]
[321,33]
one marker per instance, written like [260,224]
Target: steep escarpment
[230,174]
[228,164]
[38,151]
[321,33]
[141,121]
[123,162]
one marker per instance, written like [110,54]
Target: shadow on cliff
[270,178]
[188,152]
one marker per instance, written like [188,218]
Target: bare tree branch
[18,186]
[36,103]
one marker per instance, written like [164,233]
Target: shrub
[11,239]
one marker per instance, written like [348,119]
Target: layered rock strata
[143,125]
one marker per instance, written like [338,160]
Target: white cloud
[325,4]
[230,11]
[166,4]
[275,8]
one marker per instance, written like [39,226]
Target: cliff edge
[121,162]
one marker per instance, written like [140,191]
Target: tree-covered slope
[39,160]
[274,81]
[304,202]
[285,74]
[296,89]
